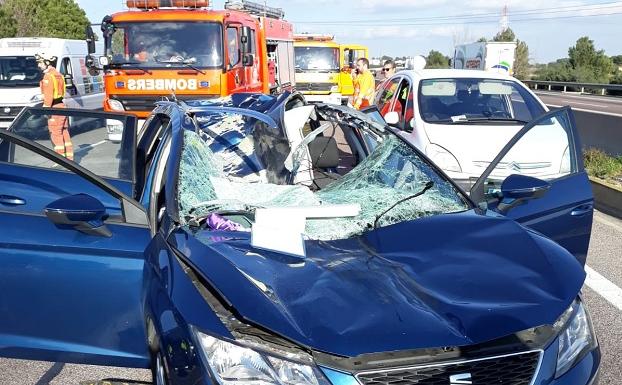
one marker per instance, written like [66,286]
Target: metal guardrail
[578,86]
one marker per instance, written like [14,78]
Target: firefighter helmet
[45,58]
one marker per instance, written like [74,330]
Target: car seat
[325,160]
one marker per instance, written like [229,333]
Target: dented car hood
[446,280]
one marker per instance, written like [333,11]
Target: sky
[414,27]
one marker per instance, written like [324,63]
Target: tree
[617,60]
[482,40]
[590,65]
[7,24]
[521,55]
[507,35]
[49,18]
[436,59]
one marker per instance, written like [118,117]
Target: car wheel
[158,370]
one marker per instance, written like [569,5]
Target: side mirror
[248,60]
[392,118]
[90,39]
[516,189]
[410,125]
[245,40]
[89,62]
[81,212]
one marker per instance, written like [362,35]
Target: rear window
[455,100]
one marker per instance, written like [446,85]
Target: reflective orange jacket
[52,87]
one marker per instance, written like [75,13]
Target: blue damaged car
[259,240]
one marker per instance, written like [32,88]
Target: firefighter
[53,90]
[365,85]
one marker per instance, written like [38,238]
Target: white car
[462,118]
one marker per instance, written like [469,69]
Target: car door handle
[11,200]
[581,210]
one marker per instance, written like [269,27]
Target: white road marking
[586,104]
[90,146]
[601,285]
[604,99]
[586,110]
[604,287]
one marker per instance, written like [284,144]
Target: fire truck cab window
[164,44]
[233,48]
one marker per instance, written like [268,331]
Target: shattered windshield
[236,164]
[164,44]
[19,71]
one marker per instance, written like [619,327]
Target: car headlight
[576,337]
[234,364]
[334,89]
[565,168]
[443,158]
[114,127]
[116,105]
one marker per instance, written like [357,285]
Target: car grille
[314,87]
[8,114]
[147,102]
[517,369]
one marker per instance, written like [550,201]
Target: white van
[20,77]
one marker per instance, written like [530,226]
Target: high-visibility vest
[52,87]
[58,83]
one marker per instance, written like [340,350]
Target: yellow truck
[323,67]
[349,53]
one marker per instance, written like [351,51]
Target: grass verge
[601,165]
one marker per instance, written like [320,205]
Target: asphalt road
[92,149]
[601,104]
[604,258]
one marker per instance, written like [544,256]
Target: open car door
[72,243]
[564,212]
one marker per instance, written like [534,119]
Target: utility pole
[504,22]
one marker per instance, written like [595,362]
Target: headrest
[324,152]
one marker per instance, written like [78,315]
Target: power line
[453,18]
[483,22]
[519,20]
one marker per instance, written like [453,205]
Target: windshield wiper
[132,64]
[487,119]
[465,120]
[183,62]
[427,186]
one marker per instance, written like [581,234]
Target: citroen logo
[514,166]
[461,379]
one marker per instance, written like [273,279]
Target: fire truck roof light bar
[255,8]
[154,4]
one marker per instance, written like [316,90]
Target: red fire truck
[160,47]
